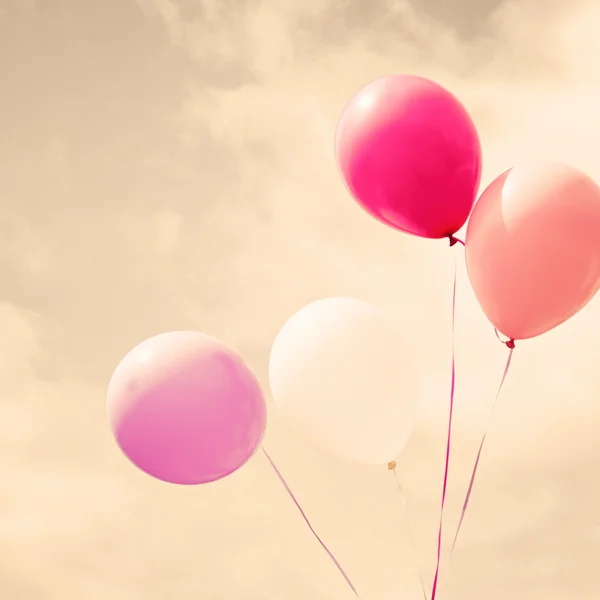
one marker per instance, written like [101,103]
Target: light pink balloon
[533,248]
[410,155]
[185,408]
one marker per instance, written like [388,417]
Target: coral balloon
[340,375]
[410,155]
[185,408]
[533,248]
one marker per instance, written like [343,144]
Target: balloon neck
[391,465]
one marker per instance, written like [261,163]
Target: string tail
[448,438]
[309,524]
[510,344]
[408,528]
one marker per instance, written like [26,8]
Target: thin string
[295,501]
[510,344]
[453,241]
[392,468]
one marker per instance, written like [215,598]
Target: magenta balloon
[410,155]
[533,248]
[185,408]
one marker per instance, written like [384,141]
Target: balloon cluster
[186,409]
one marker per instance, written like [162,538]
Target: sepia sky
[168,164]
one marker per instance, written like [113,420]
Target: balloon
[533,248]
[410,155]
[340,376]
[185,408]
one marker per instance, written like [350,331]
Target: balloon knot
[454,240]
[391,465]
[510,343]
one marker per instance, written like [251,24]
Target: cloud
[174,169]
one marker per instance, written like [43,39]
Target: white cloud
[242,253]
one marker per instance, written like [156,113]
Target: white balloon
[339,373]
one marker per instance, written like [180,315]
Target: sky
[168,164]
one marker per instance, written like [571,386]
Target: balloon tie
[511,346]
[454,240]
[449,433]
[392,468]
[510,343]
[309,524]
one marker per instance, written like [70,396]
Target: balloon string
[307,521]
[511,346]
[408,528]
[449,434]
